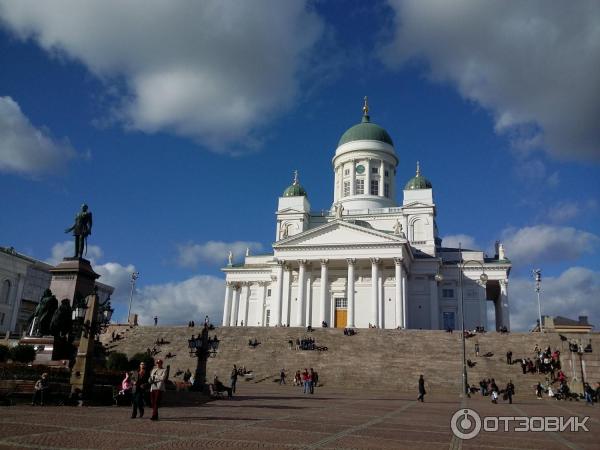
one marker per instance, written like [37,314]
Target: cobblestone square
[272,416]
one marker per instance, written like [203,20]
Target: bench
[214,393]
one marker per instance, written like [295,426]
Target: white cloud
[564,211]
[25,149]
[532,64]
[466,241]
[118,276]
[178,303]
[547,243]
[576,292]
[211,70]
[535,172]
[64,249]
[213,252]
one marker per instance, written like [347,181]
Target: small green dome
[296,189]
[365,130]
[418,181]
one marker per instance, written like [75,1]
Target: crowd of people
[307,379]
[489,387]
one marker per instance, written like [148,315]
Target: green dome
[365,131]
[296,189]
[418,181]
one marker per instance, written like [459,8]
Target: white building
[23,280]
[367,261]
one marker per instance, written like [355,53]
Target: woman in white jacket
[158,377]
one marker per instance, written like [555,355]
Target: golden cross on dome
[366,107]
[418,169]
[295,177]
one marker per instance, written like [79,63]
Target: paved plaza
[273,416]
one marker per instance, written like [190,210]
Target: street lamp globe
[483,277]
[439,277]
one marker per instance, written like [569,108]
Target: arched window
[5,292]
[418,229]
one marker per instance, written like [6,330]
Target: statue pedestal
[73,278]
[45,347]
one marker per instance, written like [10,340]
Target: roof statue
[247,251]
[339,210]
[230,258]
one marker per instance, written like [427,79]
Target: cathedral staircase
[372,359]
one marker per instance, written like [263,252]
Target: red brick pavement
[279,417]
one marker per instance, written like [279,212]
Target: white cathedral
[368,261]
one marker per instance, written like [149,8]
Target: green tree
[22,353]
[117,361]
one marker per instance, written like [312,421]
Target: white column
[381,178]
[288,278]
[434,304]
[374,291]
[301,292]
[381,304]
[278,294]
[404,299]
[263,302]
[368,177]
[235,306]
[248,287]
[324,290]
[504,304]
[399,302]
[350,293]
[353,179]
[309,299]
[227,307]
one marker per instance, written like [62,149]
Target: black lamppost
[537,275]
[202,348]
[483,278]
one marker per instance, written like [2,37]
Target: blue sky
[181,124]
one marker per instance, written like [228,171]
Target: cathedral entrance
[341,312]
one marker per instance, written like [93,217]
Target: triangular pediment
[338,233]
[418,204]
[290,211]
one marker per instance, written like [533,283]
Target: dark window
[374,187]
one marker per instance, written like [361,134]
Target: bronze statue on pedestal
[81,229]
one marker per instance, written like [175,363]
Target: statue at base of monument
[61,328]
[43,314]
[62,323]
[81,229]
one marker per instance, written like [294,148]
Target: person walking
[510,391]
[422,392]
[477,349]
[158,377]
[233,377]
[155,320]
[282,377]
[140,385]
[509,357]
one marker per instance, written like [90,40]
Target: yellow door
[341,318]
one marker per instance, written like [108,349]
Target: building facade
[368,261]
[23,280]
